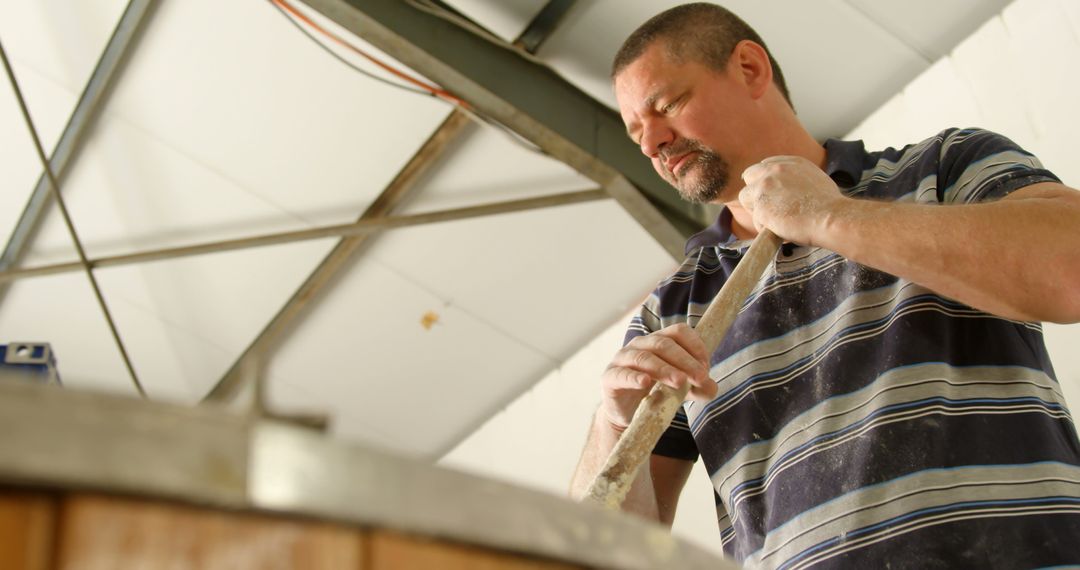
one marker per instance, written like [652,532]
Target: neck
[742,226]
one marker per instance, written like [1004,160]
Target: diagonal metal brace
[94,95]
[503,83]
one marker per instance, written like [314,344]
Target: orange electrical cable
[436,91]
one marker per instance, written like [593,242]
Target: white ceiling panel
[582,47]
[365,354]
[838,68]
[60,39]
[930,27]
[174,362]
[506,18]
[237,88]
[131,191]
[484,165]
[225,299]
[552,278]
[19,162]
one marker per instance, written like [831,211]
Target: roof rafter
[96,92]
[398,191]
[505,84]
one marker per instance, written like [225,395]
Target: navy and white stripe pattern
[863,420]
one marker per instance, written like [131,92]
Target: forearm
[1018,258]
[641,498]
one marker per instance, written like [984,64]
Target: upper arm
[669,476]
[1047,214]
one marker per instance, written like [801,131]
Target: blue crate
[31,360]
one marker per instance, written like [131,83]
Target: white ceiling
[227,122]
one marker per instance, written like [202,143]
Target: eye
[668,108]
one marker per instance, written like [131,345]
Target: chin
[702,195]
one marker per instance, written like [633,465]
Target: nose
[654,137]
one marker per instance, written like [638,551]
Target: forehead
[655,77]
[652,71]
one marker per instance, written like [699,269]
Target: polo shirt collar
[843,163]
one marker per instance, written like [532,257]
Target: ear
[751,62]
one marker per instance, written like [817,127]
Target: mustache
[683,146]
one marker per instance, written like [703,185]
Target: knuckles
[664,344]
[640,357]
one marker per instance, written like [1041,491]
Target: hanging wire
[338,57]
[54,189]
[434,90]
[295,17]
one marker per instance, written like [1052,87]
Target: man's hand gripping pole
[656,410]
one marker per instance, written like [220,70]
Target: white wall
[1018,75]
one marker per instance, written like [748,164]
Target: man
[884,397]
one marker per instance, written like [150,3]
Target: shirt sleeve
[981,166]
[677,441]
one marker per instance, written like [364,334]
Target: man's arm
[675,356]
[1018,257]
[655,491]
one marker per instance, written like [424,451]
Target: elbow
[1062,311]
[1061,307]
[1051,291]
[1069,303]
[1068,311]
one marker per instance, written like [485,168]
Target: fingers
[782,194]
[749,197]
[622,378]
[675,356]
[755,172]
[758,180]
[677,347]
[763,165]
[688,340]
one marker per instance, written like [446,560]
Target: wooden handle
[655,412]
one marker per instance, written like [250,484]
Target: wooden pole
[655,412]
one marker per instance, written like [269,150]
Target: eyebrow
[648,103]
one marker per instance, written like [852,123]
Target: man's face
[681,116]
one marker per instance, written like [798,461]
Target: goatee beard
[710,180]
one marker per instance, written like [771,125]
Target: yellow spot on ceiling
[429,319]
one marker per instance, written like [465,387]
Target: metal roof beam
[543,23]
[403,185]
[400,189]
[360,228]
[504,83]
[109,65]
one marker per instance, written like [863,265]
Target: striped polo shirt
[863,420]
